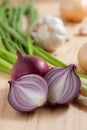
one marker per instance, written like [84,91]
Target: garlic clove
[83,31]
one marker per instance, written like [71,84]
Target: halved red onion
[63,84]
[28,93]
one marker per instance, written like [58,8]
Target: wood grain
[42,1]
[73,117]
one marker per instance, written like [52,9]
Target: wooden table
[73,117]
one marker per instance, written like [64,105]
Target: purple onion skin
[36,80]
[28,64]
[56,104]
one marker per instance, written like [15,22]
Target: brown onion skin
[28,64]
[76,13]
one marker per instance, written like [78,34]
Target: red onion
[64,85]
[28,64]
[28,93]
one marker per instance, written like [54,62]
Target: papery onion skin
[28,93]
[28,64]
[73,10]
[66,78]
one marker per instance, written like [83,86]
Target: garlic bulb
[49,32]
[73,10]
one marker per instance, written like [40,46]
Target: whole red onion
[28,64]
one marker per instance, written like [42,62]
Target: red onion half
[63,84]
[28,64]
[28,93]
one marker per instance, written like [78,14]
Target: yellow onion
[73,10]
[82,57]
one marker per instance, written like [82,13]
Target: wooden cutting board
[73,117]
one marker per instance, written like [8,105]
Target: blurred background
[39,0]
[47,0]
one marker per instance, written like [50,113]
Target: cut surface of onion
[28,93]
[63,83]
